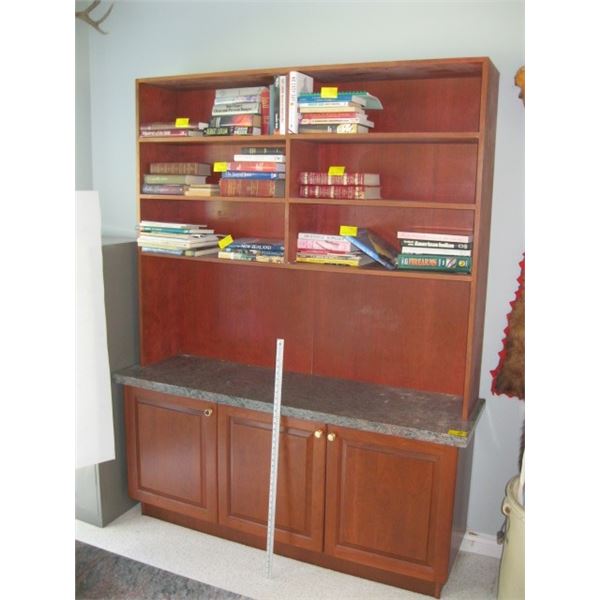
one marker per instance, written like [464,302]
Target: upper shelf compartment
[417,96]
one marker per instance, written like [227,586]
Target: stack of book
[179,239]
[255,171]
[240,111]
[254,249]
[325,249]
[350,186]
[177,128]
[336,112]
[174,178]
[435,251]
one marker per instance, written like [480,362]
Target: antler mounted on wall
[84,15]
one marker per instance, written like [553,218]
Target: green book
[432,262]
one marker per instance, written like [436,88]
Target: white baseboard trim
[481,543]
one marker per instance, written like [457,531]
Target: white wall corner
[481,543]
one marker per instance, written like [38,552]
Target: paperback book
[375,246]
[455,264]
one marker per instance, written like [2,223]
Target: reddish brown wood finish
[389,503]
[244,470]
[171,452]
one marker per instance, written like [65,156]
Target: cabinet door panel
[244,471]
[389,501]
[172,452]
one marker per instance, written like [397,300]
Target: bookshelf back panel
[382,220]
[428,172]
[407,334]
[159,104]
[238,219]
[437,104]
[160,307]
[237,312]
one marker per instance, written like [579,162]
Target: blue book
[252,175]
[363,98]
[249,243]
[375,247]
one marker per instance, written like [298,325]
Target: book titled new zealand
[251,175]
[256,243]
[374,246]
[456,264]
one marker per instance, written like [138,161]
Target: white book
[278,158]
[433,235]
[299,83]
[282,104]
[434,251]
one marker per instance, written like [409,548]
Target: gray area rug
[102,574]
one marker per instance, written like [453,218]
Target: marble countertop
[369,407]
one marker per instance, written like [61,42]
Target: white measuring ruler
[274,456]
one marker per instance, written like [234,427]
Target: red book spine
[271,167]
[330,115]
[341,192]
[322,178]
[251,187]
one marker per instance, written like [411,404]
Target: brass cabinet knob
[331,437]
[318,434]
[207,412]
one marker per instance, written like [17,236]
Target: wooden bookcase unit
[433,146]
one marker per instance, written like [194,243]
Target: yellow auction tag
[348,230]
[336,170]
[457,432]
[182,122]
[225,242]
[329,92]
[220,167]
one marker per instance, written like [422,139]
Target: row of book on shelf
[255,172]
[289,104]
[352,247]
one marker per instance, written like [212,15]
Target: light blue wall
[168,38]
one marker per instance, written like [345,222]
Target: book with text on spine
[179,168]
[348,260]
[436,244]
[240,91]
[175,179]
[455,264]
[438,236]
[278,158]
[240,120]
[333,128]
[299,83]
[375,246]
[252,188]
[252,175]
[358,97]
[232,130]
[418,250]
[247,165]
[340,192]
[323,178]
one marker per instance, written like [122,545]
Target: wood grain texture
[171,452]
[389,503]
[244,473]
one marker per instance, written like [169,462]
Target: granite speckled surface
[406,413]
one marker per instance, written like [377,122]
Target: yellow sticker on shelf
[220,167]
[457,432]
[336,171]
[182,122]
[225,242]
[329,92]
[348,230]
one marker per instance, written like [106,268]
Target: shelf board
[371,270]
[415,137]
[246,199]
[386,203]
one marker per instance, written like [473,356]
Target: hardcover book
[179,168]
[435,236]
[262,150]
[178,179]
[163,188]
[247,165]
[242,91]
[172,133]
[375,246]
[246,108]
[358,97]
[332,128]
[329,120]
[456,264]
[243,120]
[323,178]
[171,125]
[252,175]
[340,192]
[252,187]
[232,130]
[278,158]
